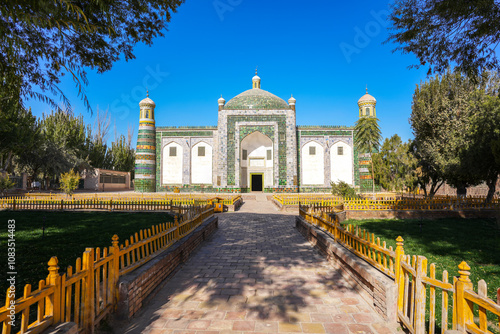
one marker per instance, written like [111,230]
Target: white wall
[341,165]
[172,166]
[313,166]
[201,167]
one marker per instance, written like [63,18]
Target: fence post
[54,301]
[400,252]
[463,310]
[116,269]
[176,223]
[420,300]
[88,308]
[14,205]
[62,204]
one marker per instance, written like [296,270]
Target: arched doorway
[256,161]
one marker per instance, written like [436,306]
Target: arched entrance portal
[256,161]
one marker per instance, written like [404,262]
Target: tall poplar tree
[367,139]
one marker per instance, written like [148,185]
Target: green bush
[69,181]
[5,183]
[344,190]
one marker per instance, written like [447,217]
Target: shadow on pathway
[256,274]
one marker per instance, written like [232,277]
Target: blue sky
[322,52]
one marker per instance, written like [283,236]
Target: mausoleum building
[256,146]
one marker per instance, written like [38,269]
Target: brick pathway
[256,274]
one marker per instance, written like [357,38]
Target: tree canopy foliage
[61,142]
[367,138]
[42,40]
[395,165]
[456,122]
[439,33]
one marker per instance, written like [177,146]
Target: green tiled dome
[256,99]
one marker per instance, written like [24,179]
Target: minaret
[145,155]
[367,105]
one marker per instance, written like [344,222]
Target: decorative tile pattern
[257,99]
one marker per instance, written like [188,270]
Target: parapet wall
[140,285]
[419,214]
[375,287]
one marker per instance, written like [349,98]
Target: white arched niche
[313,164]
[256,157]
[172,164]
[341,163]
[201,163]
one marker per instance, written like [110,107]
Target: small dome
[256,77]
[221,100]
[147,102]
[367,98]
[256,99]
[292,100]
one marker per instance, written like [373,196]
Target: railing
[359,241]
[321,200]
[444,203]
[413,277]
[180,204]
[88,293]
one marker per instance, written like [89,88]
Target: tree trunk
[435,185]
[6,166]
[462,191]
[492,184]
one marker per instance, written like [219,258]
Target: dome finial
[256,80]
[147,92]
[366,88]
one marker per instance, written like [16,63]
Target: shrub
[5,183]
[69,181]
[344,190]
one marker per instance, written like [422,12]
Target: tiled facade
[252,111]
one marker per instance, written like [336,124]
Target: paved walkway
[256,274]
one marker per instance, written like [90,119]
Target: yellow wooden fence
[89,292]
[443,203]
[412,275]
[93,203]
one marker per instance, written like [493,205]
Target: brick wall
[479,190]
[420,214]
[140,285]
[375,287]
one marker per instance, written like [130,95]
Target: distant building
[105,180]
[256,146]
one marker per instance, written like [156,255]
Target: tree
[426,174]
[5,183]
[450,121]
[123,155]
[69,181]
[58,147]
[395,166]
[42,40]
[367,139]
[442,32]
[485,128]
[18,128]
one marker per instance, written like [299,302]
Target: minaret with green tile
[145,155]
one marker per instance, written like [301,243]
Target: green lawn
[67,234]
[447,242]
